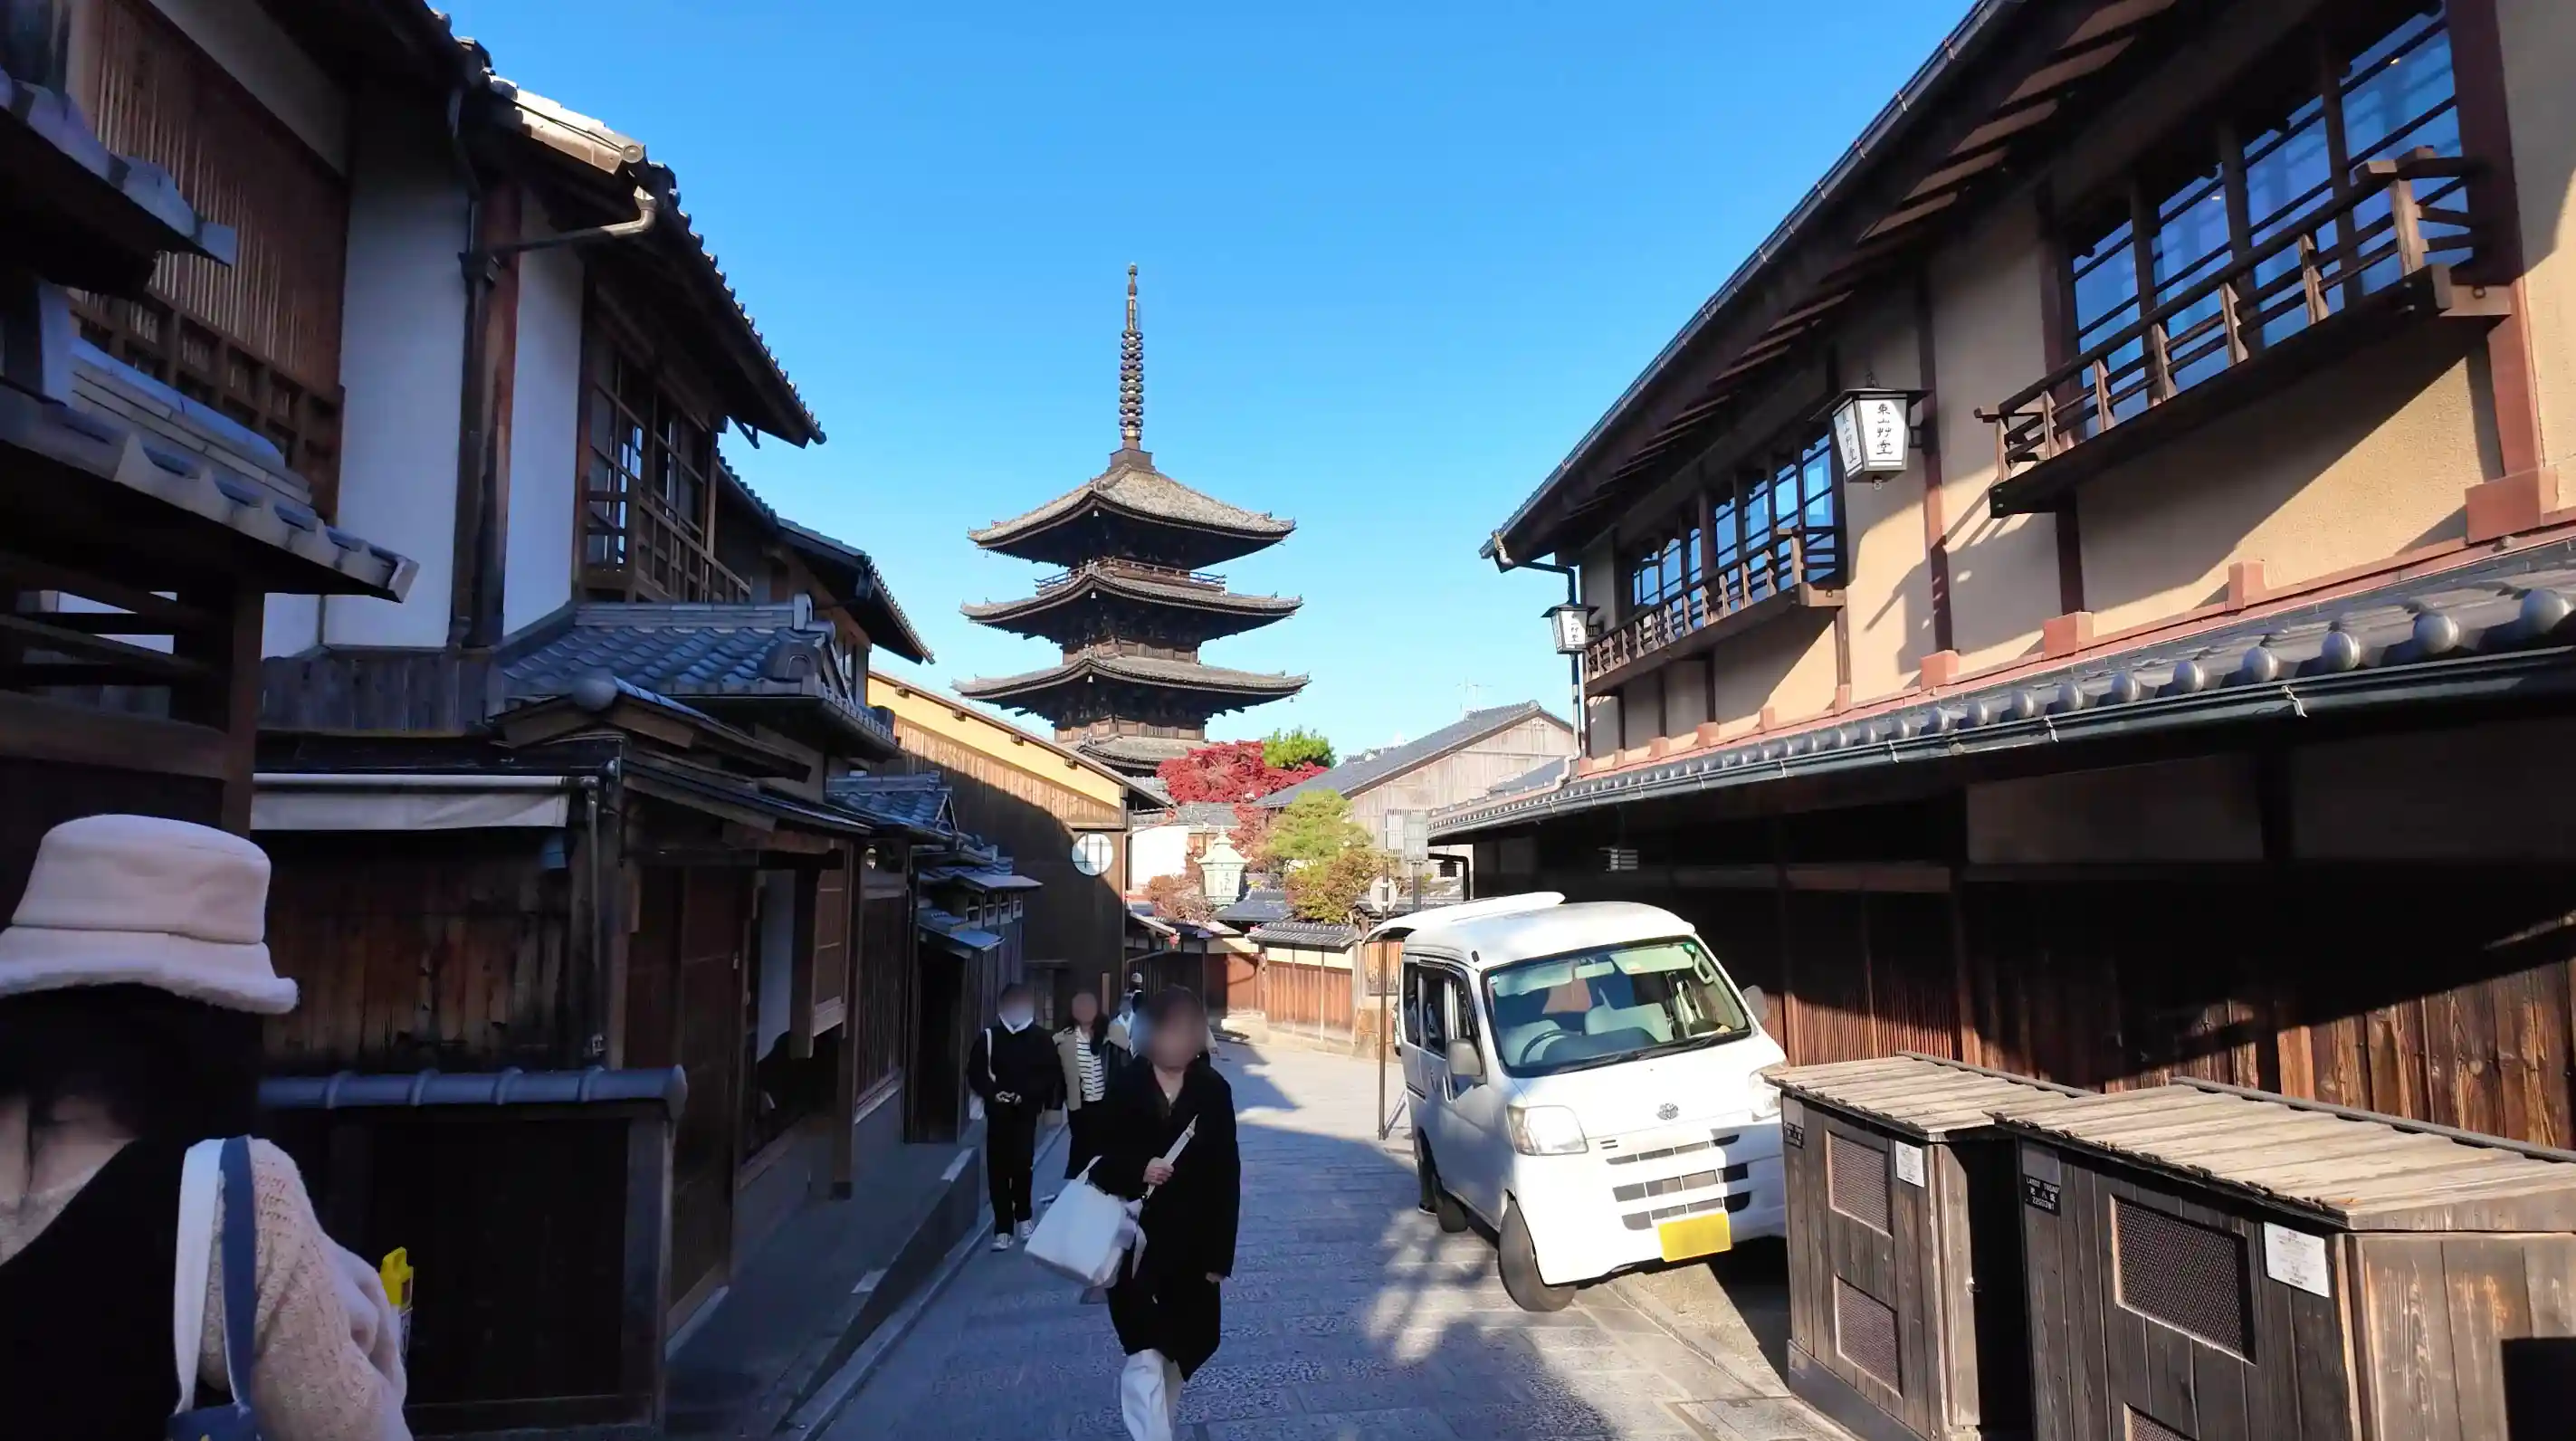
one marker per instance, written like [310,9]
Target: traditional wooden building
[1062,815]
[146,523]
[1461,761]
[1133,603]
[2089,596]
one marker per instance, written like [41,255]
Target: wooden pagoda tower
[1133,600]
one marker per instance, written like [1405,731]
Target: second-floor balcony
[2374,258]
[636,547]
[1772,580]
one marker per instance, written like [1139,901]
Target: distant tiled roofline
[1132,487]
[1144,670]
[1197,597]
[1355,777]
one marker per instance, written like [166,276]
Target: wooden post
[644,1298]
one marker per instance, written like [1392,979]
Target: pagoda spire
[1131,376]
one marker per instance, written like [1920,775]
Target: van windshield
[1591,1008]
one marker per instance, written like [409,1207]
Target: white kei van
[1585,1078]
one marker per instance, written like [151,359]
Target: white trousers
[1149,1396]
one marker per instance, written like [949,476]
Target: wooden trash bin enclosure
[1905,1294]
[2214,1264]
[535,1208]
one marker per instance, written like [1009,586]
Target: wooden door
[685,1008]
[1850,1264]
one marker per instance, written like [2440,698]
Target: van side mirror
[1466,1063]
[1756,1004]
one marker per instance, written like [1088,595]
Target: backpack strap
[241,1270]
[198,1178]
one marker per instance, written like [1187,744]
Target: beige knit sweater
[327,1368]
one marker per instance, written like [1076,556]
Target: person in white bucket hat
[133,978]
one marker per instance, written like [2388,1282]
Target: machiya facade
[2183,697]
[1132,601]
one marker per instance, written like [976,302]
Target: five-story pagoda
[1133,601]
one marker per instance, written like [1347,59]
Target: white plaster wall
[288,624]
[544,454]
[240,37]
[1156,851]
[402,358]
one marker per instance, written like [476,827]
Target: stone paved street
[1350,1318]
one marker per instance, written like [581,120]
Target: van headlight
[1546,1131]
[1761,1097]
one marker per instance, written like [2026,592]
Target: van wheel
[1442,1205]
[1517,1257]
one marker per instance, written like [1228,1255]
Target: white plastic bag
[1087,1234]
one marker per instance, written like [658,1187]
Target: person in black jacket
[1014,1070]
[1166,1305]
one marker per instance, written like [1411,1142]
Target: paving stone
[1350,1317]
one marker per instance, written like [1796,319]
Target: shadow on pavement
[1350,1317]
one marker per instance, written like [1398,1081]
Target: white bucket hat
[138,900]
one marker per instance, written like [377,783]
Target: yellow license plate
[1696,1236]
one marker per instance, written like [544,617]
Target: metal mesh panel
[1856,1178]
[2189,1276]
[2143,1427]
[1865,1332]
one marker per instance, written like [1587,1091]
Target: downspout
[474,617]
[1504,562]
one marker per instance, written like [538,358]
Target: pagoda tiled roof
[1133,487]
[1139,588]
[1141,670]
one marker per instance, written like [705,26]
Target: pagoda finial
[1131,375]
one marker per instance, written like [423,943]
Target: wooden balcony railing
[1133,570]
[2318,267]
[1780,566]
[634,543]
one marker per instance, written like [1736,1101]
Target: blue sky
[1397,258]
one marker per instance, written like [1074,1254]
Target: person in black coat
[1014,1070]
[1166,1306]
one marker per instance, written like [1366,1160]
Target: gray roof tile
[1352,777]
[1132,484]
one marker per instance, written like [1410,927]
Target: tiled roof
[1145,670]
[1138,750]
[1256,908]
[1092,582]
[778,408]
[1202,814]
[1308,935]
[2464,631]
[1536,780]
[1353,777]
[1131,484]
[694,652]
[293,550]
[113,215]
[916,803]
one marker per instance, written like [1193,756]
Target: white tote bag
[1087,1233]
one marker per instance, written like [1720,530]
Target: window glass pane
[2106,303]
[2287,177]
[2399,97]
[2190,247]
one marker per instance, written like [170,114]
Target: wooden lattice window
[648,498]
[258,340]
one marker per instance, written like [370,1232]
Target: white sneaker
[1002,1242]
[1025,1229]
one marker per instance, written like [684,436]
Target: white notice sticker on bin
[2295,1258]
[1909,1164]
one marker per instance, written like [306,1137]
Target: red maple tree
[1229,771]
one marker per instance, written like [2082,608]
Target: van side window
[1429,1000]
[1462,1010]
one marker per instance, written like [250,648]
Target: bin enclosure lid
[1918,1095]
[2353,1169]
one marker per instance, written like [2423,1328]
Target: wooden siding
[2456,1006]
[1464,774]
[413,952]
[883,994]
[259,339]
[1074,918]
[1304,997]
